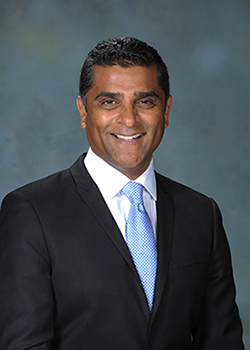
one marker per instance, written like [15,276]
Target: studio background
[206,45]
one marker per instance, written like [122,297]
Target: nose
[127,116]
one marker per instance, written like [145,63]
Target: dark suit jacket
[68,282]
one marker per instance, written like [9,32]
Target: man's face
[125,117]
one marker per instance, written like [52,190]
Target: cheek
[92,132]
[158,127]
[157,133]
[96,131]
[92,126]
[98,119]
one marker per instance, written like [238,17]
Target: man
[77,271]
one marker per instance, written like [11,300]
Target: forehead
[121,79]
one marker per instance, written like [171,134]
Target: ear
[167,110]
[82,111]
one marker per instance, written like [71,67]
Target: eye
[145,103]
[109,103]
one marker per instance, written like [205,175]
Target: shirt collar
[110,181]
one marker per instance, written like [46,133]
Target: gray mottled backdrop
[206,45]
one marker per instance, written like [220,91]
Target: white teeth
[127,138]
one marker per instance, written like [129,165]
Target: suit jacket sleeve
[26,296]
[219,326]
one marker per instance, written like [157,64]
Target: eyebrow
[109,94]
[139,94]
[142,94]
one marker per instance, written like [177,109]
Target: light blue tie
[140,239]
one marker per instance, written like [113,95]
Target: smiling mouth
[128,138]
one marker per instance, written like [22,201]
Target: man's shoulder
[49,186]
[46,183]
[185,199]
[175,188]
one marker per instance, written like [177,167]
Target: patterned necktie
[140,239]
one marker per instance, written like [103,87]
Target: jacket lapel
[165,230]
[92,197]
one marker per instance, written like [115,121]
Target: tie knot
[133,191]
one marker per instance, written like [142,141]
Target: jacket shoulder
[55,185]
[176,188]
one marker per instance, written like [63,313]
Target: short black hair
[125,52]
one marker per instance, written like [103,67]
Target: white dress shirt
[110,182]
